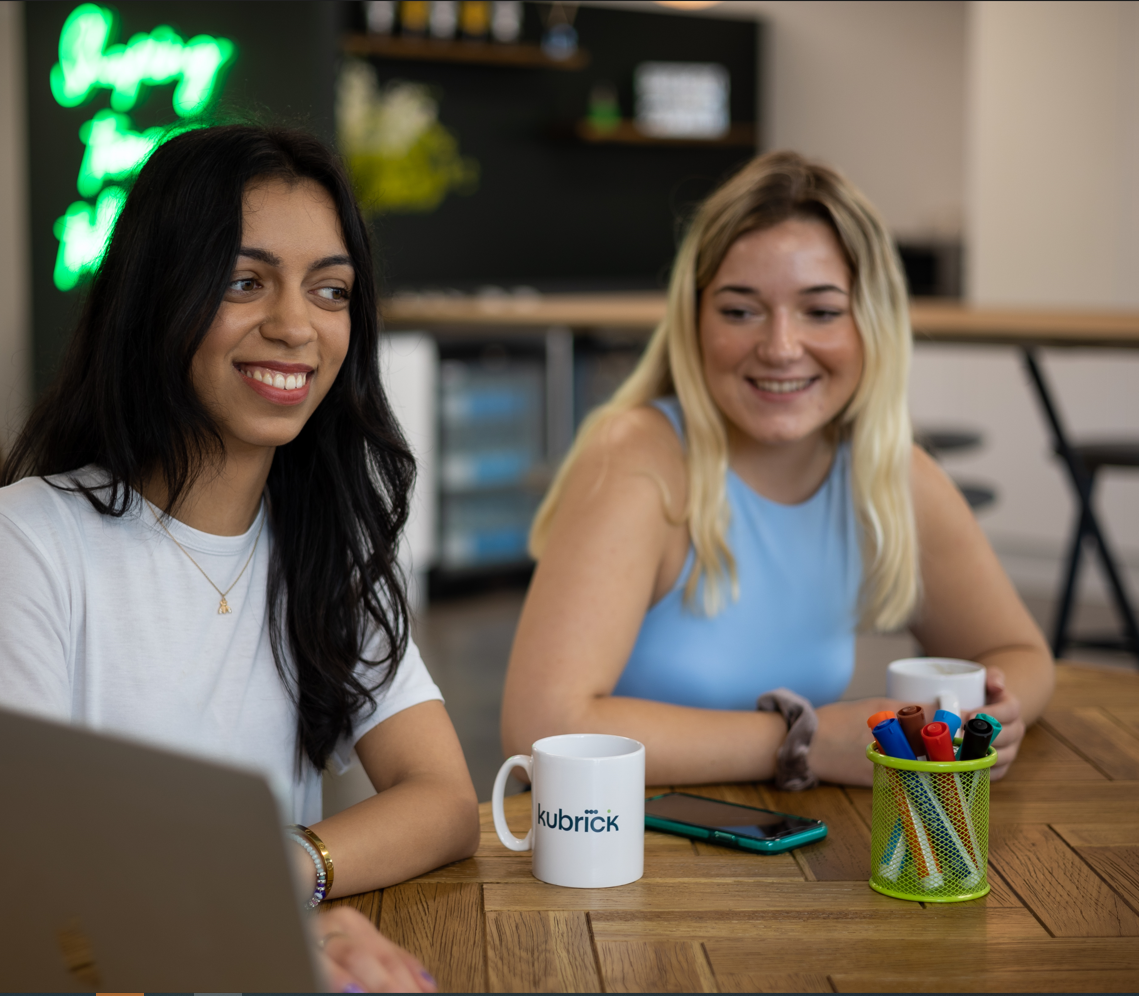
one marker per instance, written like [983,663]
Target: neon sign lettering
[83,234]
[115,151]
[86,63]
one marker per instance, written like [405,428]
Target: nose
[780,343]
[288,321]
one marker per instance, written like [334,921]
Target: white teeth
[284,382]
[782,386]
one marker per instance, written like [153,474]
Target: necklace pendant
[223,608]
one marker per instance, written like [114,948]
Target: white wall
[876,88]
[15,274]
[1053,205]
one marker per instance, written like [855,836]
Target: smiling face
[781,352]
[281,333]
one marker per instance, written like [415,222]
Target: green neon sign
[86,63]
[83,234]
[115,151]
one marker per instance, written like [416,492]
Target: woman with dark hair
[199,523]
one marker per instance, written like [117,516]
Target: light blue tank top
[799,569]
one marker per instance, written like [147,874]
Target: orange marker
[879,717]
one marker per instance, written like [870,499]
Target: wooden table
[1063,914]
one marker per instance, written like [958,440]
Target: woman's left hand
[1002,705]
[357,958]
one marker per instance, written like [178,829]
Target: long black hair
[123,400]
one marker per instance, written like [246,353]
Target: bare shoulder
[640,443]
[942,515]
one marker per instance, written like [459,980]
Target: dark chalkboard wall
[284,72]
[551,210]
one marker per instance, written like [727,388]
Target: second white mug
[588,803]
[955,685]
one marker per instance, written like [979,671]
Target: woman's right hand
[357,958]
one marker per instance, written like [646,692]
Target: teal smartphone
[730,824]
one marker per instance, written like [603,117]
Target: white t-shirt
[105,623]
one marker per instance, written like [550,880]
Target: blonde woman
[748,500]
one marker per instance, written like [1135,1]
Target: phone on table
[730,824]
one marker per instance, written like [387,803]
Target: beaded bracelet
[314,847]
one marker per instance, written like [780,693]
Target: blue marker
[892,739]
[950,719]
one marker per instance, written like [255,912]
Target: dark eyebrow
[340,260]
[249,252]
[818,289]
[264,256]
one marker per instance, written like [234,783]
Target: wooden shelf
[627,133]
[638,313]
[512,54]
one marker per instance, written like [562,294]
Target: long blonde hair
[767,191]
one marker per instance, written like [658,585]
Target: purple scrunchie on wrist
[792,771]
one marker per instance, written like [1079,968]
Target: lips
[281,383]
[783,386]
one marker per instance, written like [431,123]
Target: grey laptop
[134,869]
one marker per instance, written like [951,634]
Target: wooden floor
[1063,914]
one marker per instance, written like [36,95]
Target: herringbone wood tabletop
[1063,914]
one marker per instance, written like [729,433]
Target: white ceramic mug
[956,686]
[587,795]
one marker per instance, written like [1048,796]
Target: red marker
[938,744]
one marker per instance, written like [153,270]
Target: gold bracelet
[323,850]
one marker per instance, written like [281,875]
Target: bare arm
[612,551]
[424,815]
[970,609]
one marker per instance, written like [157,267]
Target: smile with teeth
[784,386]
[274,378]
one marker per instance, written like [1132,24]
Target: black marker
[975,742]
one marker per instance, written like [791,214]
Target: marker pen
[950,719]
[976,779]
[975,742]
[916,803]
[994,723]
[893,740]
[938,744]
[945,828]
[917,840]
[913,719]
[873,721]
[952,795]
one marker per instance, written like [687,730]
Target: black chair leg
[1063,616]
[1119,594]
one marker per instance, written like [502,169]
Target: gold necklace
[223,607]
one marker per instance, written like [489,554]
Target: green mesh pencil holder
[929,836]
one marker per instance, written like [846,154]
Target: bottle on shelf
[444,18]
[474,19]
[506,20]
[379,16]
[414,16]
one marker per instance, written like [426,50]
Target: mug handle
[950,703]
[526,763]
